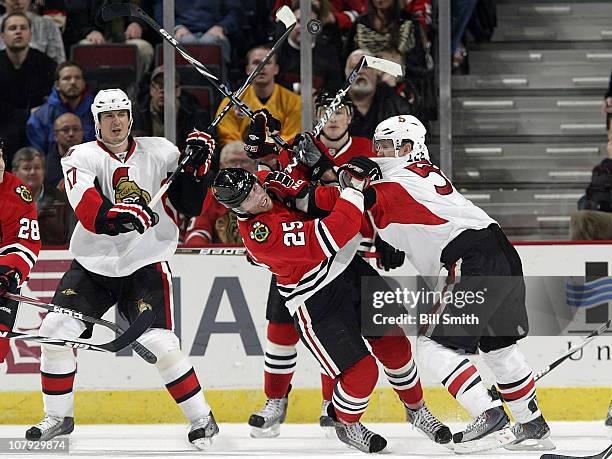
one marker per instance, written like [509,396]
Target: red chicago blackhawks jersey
[305,255]
[215,224]
[92,173]
[355,146]
[19,233]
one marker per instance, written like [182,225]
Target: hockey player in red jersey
[19,245]
[319,278]
[121,249]
[417,209]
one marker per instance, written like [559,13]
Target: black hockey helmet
[326,96]
[232,186]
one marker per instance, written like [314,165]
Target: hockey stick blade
[138,327]
[286,16]
[605,454]
[390,67]
[142,351]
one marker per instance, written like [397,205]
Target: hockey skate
[356,435]
[531,436]
[202,431]
[50,427]
[266,422]
[608,422]
[327,423]
[487,431]
[428,425]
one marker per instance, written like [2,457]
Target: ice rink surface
[296,441]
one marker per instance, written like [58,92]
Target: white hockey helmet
[108,100]
[398,130]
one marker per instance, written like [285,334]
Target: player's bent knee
[164,344]
[61,326]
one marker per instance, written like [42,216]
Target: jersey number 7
[424,169]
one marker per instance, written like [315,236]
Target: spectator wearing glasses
[55,217]
[149,112]
[67,132]
[69,95]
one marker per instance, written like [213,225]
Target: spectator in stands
[149,113]
[69,95]
[593,220]
[263,93]
[207,22]
[374,101]
[216,223]
[81,28]
[67,132]
[55,217]
[420,10]
[461,12]
[606,107]
[326,69]
[26,77]
[341,14]
[46,35]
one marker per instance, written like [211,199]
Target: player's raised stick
[113,9]
[142,351]
[572,350]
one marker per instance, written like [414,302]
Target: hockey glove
[259,142]
[284,187]
[310,152]
[358,173]
[9,279]
[9,282]
[390,257]
[126,217]
[200,148]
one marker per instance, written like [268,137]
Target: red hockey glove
[200,148]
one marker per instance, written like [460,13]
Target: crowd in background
[46,97]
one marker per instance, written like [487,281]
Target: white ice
[296,441]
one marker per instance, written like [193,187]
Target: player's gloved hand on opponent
[284,187]
[200,148]
[126,217]
[390,257]
[259,142]
[9,282]
[9,279]
[358,173]
[310,152]
[4,344]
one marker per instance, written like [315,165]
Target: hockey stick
[605,454]
[112,10]
[572,350]
[142,351]
[241,251]
[284,15]
[134,331]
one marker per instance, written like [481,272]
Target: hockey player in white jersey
[417,209]
[121,249]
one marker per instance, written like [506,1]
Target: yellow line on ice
[156,406]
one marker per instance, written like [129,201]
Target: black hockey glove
[390,257]
[200,148]
[126,217]
[9,279]
[358,173]
[259,142]
[310,152]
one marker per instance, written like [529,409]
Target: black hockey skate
[266,422]
[427,424]
[202,431]
[356,435]
[50,427]
[327,423]
[487,431]
[531,436]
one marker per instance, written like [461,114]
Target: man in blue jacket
[69,95]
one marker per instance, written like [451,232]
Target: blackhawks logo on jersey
[127,190]
[261,232]
[24,193]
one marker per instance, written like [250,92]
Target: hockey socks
[327,386]
[352,393]
[515,381]
[280,359]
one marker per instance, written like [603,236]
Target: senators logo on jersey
[23,192]
[127,190]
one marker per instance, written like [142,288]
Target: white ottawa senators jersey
[419,211]
[91,170]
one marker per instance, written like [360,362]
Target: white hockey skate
[50,427]
[531,436]
[202,431]
[266,422]
[327,423]
[428,425]
[487,431]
